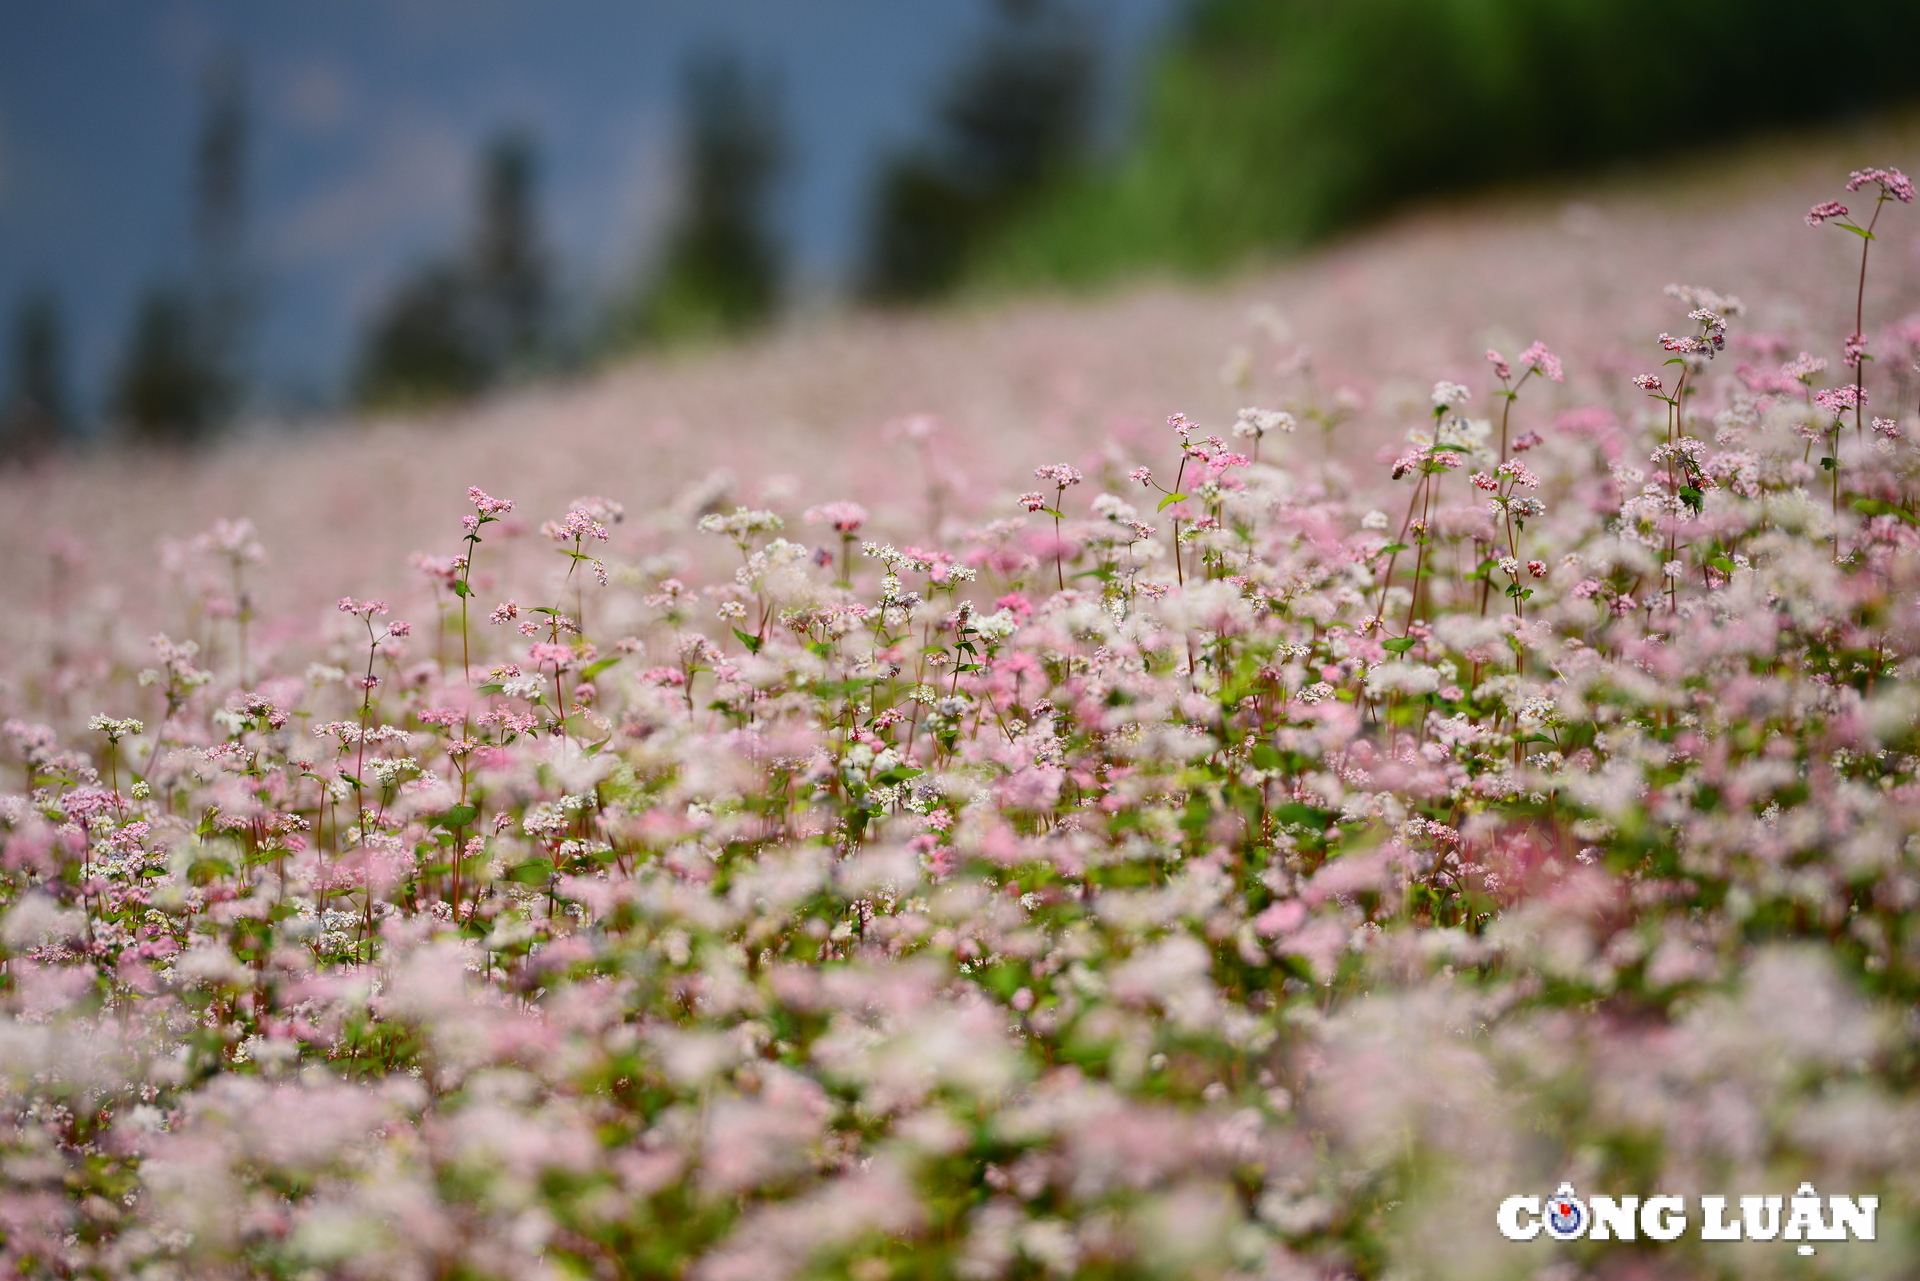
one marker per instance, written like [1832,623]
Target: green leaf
[1169,501]
[459,816]
[1265,756]
[1829,463]
[748,639]
[534,871]
[1391,549]
[492,687]
[1861,232]
[1399,644]
[1722,563]
[460,587]
[593,669]
[1305,815]
[1004,979]
[1881,507]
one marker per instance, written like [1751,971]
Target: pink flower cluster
[1892,183]
[844,517]
[1825,211]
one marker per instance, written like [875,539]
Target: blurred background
[225,216]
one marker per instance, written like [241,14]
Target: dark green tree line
[721,270]
[1271,123]
[460,325]
[1013,118]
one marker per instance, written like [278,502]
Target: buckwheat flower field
[1035,840]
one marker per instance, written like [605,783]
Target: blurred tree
[222,289]
[167,389]
[180,376]
[509,270]
[1274,122]
[420,349]
[36,419]
[721,271]
[452,329]
[1014,117]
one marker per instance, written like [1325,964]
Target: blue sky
[366,117]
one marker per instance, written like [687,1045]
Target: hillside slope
[801,418]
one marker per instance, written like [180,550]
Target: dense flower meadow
[1202,868]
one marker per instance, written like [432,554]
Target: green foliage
[181,373]
[458,326]
[1011,122]
[721,271]
[36,413]
[169,390]
[418,351]
[1272,123]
